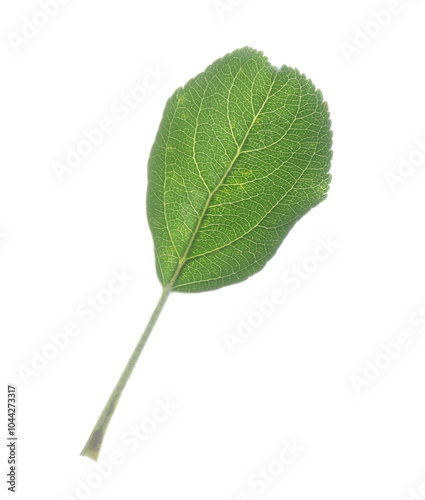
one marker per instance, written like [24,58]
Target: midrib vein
[183,259]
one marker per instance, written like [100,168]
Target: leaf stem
[94,443]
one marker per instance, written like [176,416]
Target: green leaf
[243,151]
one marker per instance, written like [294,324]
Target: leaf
[243,151]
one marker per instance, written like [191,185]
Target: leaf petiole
[94,443]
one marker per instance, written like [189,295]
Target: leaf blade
[243,152]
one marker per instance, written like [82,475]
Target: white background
[292,378]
